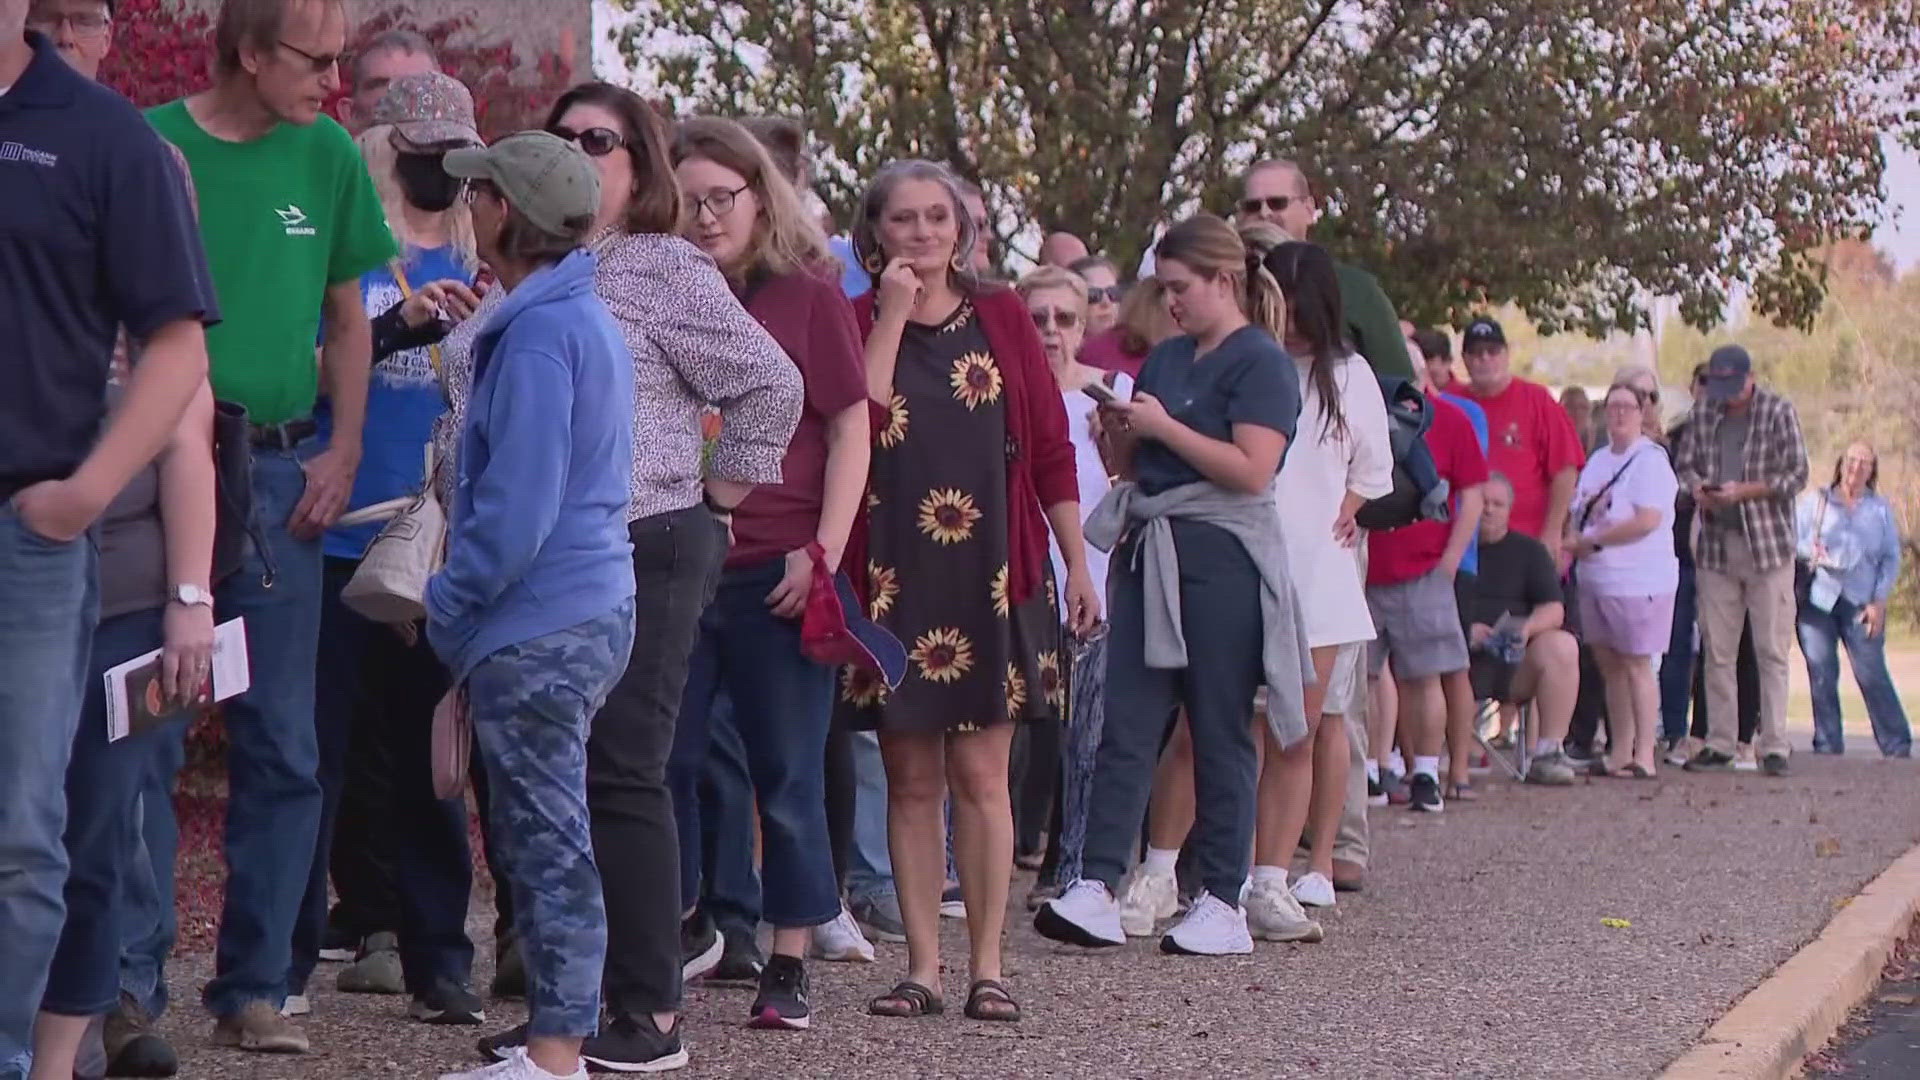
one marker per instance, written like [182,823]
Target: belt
[281,436]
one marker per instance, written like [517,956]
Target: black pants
[1035,779]
[840,792]
[1746,674]
[1590,706]
[676,563]
[398,857]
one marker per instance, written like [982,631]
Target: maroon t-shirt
[813,321]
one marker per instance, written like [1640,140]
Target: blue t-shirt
[854,281]
[1477,416]
[403,401]
[1248,379]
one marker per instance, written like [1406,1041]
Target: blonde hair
[1144,319]
[1209,247]
[379,153]
[1054,277]
[786,238]
[1262,236]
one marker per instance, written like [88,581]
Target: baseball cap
[834,632]
[543,176]
[430,109]
[1482,333]
[1727,371]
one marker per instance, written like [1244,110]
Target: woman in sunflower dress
[971,463]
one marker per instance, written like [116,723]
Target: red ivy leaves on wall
[159,52]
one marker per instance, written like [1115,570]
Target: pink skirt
[1634,625]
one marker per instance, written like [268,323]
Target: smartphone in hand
[1101,393]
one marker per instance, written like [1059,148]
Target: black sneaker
[700,946]
[1774,764]
[1709,760]
[499,1047]
[448,1003]
[782,1004]
[1376,795]
[339,945]
[133,1048]
[630,1044]
[740,961]
[1578,754]
[1424,794]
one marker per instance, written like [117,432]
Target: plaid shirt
[1775,456]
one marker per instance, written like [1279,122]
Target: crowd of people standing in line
[1118,532]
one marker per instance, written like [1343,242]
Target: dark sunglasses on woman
[596,142]
[1111,294]
[1062,319]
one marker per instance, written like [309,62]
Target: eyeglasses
[718,202]
[86,24]
[596,142]
[320,64]
[1624,406]
[1276,203]
[1111,294]
[1062,318]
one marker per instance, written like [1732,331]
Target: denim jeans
[728,878]
[273,796]
[147,912]
[47,608]
[533,705]
[870,869]
[1676,668]
[1821,635]
[782,706]
[398,857]
[103,791]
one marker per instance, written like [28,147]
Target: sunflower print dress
[937,550]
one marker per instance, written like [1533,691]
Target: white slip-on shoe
[1146,899]
[1086,914]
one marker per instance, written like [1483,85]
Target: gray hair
[1497,477]
[391,41]
[873,203]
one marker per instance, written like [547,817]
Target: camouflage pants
[532,706]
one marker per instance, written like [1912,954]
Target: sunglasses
[1062,319]
[320,64]
[1276,203]
[596,142]
[1111,294]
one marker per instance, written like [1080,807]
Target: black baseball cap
[1727,372]
[1482,333]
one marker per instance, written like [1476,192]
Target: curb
[1770,1031]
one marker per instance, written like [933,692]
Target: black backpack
[1419,493]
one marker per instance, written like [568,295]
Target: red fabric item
[1412,551]
[1530,438]
[1107,351]
[813,322]
[1040,466]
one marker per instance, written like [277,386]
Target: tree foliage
[1572,156]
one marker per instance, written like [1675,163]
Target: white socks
[1397,763]
[1427,766]
[1545,747]
[1273,875]
[1373,771]
[1161,860]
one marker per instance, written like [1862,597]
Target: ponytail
[1266,305]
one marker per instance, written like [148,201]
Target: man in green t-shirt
[290,221]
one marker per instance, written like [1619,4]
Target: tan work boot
[260,1028]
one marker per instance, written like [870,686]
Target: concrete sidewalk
[1478,950]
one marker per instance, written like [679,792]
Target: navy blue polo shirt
[95,232]
[1247,379]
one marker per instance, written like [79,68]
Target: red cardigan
[1040,459]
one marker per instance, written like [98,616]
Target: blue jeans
[273,796]
[1821,635]
[728,879]
[870,869]
[782,706]
[1676,668]
[103,792]
[147,913]
[532,706]
[47,609]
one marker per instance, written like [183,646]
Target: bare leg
[1619,706]
[982,837]
[917,842]
[56,1045]
[1457,691]
[1383,720]
[1170,809]
[558,1055]
[1551,673]
[1644,689]
[1331,762]
[1286,777]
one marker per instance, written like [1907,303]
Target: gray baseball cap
[543,176]
[428,110]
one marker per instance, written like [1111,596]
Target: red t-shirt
[1411,551]
[813,321]
[1107,352]
[1531,440]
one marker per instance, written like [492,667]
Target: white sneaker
[1682,752]
[1314,890]
[1086,914]
[1212,927]
[297,1005]
[842,940]
[1274,915]
[1146,899]
[516,1066]
[1743,759]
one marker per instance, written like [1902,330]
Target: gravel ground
[1478,950]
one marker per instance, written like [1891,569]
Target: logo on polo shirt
[295,219]
[13,151]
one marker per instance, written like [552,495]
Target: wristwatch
[190,596]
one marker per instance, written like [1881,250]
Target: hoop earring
[873,264]
[958,264]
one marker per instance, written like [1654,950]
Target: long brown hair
[654,204]
[1209,247]
[785,239]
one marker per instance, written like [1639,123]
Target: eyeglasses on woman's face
[1109,295]
[1061,318]
[594,141]
[718,202]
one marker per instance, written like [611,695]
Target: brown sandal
[988,1000]
[905,1001]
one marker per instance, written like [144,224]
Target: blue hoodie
[538,539]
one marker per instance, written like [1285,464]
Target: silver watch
[190,596]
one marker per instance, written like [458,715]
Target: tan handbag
[452,745]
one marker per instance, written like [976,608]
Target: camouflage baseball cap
[430,110]
[546,178]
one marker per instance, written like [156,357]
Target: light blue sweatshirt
[538,539]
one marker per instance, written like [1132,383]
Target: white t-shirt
[1647,566]
[1093,479]
[1321,466]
